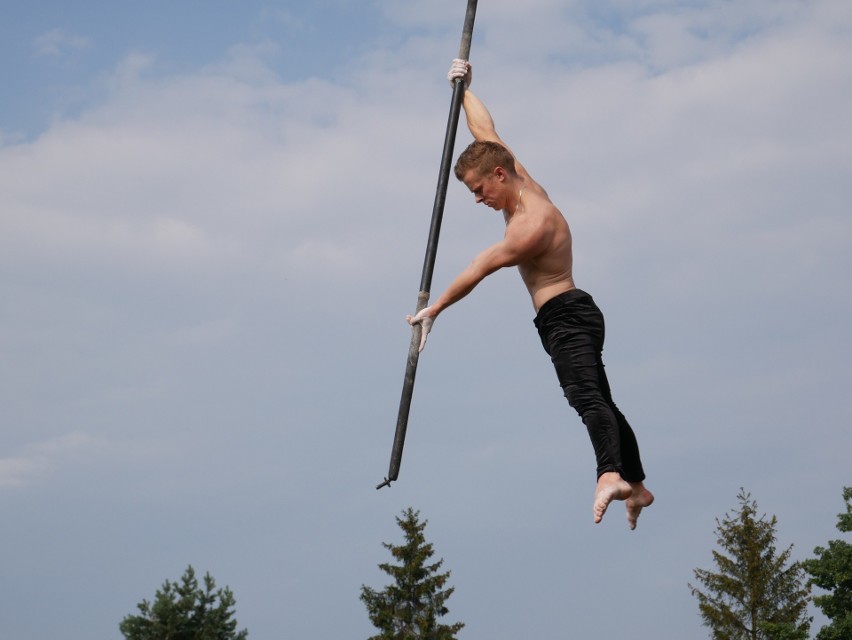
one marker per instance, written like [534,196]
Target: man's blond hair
[484,156]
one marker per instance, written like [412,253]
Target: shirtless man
[538,242]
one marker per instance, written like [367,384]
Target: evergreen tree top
[409,607]
[754,593]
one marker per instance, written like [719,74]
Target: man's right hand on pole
[460,69]
[425,320]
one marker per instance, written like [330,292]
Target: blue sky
[212,224]
[55,70]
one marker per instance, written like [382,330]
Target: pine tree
[754,594]
[185,611]
[409,608]
[832,570]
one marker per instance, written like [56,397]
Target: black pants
[571,328]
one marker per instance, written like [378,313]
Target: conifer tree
[409,608]
[185,611]
[832,570]
[754,594]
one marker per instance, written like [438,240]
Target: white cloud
[41,459]
[15,472]
[224,167]
[59,43]
[284,17]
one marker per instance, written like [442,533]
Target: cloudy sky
[213,216]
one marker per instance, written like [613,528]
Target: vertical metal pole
[431,252]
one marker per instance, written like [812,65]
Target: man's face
[487,189]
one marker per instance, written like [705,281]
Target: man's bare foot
[639,498]
[610,487]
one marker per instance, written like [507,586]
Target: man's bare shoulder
[540,208]
[537,227]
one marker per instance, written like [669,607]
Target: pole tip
[386,483]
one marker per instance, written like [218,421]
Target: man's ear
[500,173]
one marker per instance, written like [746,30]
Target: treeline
[753,592]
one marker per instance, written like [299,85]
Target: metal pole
[431,253]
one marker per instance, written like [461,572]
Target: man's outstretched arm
[482,266]
[486,263]
[479,120]
[524,239]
